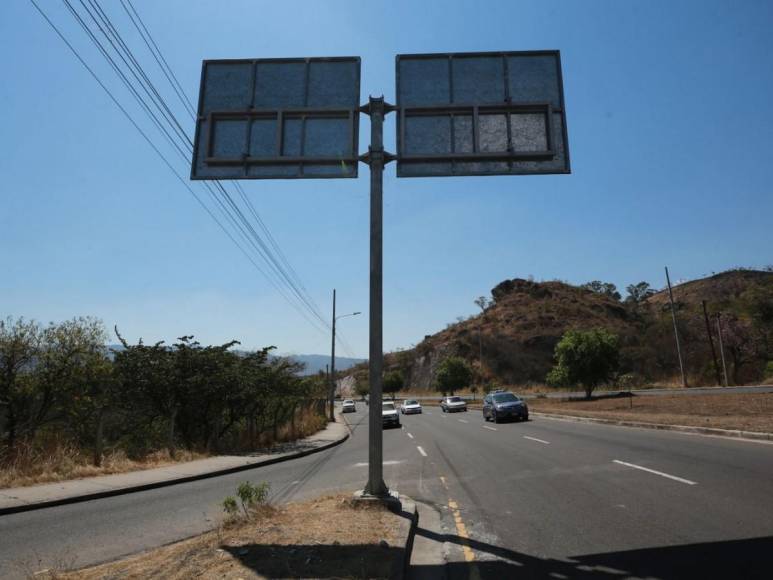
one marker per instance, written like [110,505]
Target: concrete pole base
[391,500]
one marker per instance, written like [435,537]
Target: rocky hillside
[513,339]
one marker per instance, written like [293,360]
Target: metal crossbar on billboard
[459,114]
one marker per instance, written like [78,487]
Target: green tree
[453,373]
[393,382]
[604,288]
[19,346]
[361,387]
[638,293]
[587,358]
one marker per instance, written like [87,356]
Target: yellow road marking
[461,530]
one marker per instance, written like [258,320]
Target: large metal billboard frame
[471,126]
[296,117]
[376,158]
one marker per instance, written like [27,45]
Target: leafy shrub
[251,495]
[229,506]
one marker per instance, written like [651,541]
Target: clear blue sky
[670,130]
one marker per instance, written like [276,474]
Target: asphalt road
[546,498]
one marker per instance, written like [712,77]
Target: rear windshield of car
[454,400]
[411,402]
[505,398]
[388,406]
[348,402]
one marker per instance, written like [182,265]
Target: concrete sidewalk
[21,499]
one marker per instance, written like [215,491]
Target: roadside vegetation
[327,537]
[585,358]
[512,337]
[747,412]
[72,407]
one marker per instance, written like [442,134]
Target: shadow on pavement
[734,559]
[319,561]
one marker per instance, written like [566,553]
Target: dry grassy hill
[513,339]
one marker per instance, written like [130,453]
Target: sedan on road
[500,406]
[389,415]
[450,404]
[348,406]
[410,406]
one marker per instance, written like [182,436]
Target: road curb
[409,510]
[168,482]
[732,433]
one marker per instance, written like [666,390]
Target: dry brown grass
[54,461]
[323,538]
[747,412]
[61,461]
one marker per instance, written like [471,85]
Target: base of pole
[391,499]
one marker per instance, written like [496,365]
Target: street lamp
[333,356]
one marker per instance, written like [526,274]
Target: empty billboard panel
[277,118]
[480,114]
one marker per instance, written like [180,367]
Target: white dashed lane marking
[462,420]
[489,428]
[660,473]
[424,453]
[409,435]
[537,440]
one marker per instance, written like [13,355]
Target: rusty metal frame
[350,114]
[473,110]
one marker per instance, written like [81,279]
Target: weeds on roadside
[251,497]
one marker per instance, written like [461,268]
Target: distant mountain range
[313,362]
[316,362]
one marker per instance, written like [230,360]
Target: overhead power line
[280,273]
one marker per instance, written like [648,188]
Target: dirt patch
[330,537]
[747,412]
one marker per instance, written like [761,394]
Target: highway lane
[562,497]
[532,499]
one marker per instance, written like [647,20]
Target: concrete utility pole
[711,343]
[333,362]
[721,349]
[676,332]
[333,357]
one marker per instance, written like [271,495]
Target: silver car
[451,404]
[410,406]
[348,406]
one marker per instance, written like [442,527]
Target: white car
[389,415]
[410,406]
[451,404]
[348,406]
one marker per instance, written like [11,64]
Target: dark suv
[500,406]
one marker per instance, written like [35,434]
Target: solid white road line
[462,420]
[660,473]
[409,435]
[489,428]
[424,453]
[537,440]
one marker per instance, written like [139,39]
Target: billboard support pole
[376,159]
